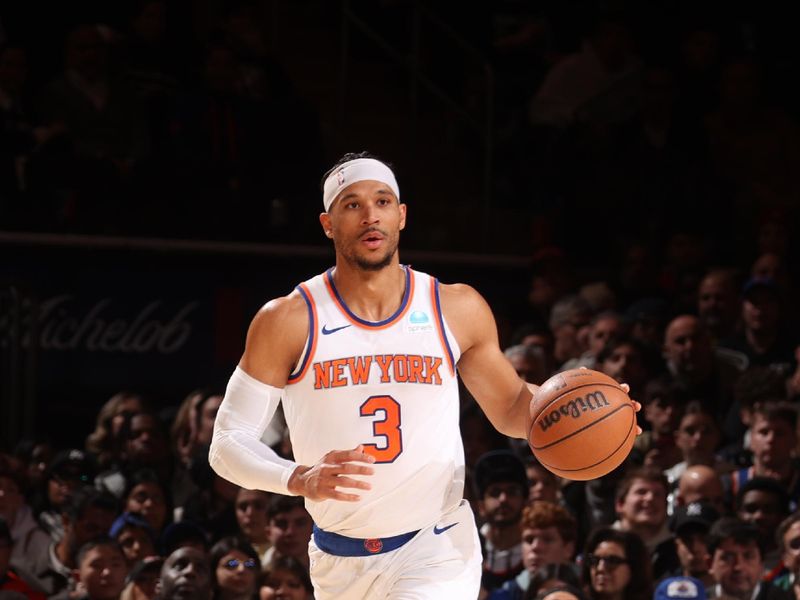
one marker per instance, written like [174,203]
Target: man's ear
[325,221]
[403,211]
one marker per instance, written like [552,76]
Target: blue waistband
[340,545]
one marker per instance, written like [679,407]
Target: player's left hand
[636,404]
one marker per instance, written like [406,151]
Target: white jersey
[391,386]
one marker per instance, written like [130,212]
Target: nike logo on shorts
[326,331]
[438,531]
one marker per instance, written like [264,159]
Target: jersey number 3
[388,427]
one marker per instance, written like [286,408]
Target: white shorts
[441,561]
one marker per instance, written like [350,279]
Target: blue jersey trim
[359,320]
[312,332]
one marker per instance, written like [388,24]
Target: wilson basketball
[583,424]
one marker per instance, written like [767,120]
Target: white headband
[360,169]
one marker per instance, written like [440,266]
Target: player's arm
[275,342]
[488,375]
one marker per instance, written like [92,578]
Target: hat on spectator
[759,283]
[680,588]
[148,565]
[182,533]
[130,519]
[698,515]
[72,464]
[499,466]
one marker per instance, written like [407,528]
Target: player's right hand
[332,471]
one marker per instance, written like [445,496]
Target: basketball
[583,424]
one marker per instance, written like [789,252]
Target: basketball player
[364,359]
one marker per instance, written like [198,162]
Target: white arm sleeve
[237,452]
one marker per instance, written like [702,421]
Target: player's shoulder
[460,297]
[281,314]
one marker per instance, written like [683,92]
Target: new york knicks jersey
[391,386]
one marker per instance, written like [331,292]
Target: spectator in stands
[290,528]
[736,563]
[697,437]
[552,577]
[764,338]
[616,567]
[695,368]
[549,534]
[105,442]
[285,578]
[597,85]
[641,504]
[502,490]
[101,570]
[142,579]
[602,327]
[626,360]
[542,484]
[664,404]
[186,575]
[568,315]
[89,514]
[718,303]
[788,538]
[701,483]
[135,537]
[147,496]
[29,540]
[691,524]
[234,569]
[253,518]
[773,439]
[763,502]
[10,579]
[68,471]
[529,363]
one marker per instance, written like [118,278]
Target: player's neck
[372,295]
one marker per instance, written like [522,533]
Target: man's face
[717,303]
[601,331]
[102,571]
[687,346]
[94,522]
[662,415]
[763,509]
[542,485]
[772,441]
[135,544]
[186,575]
[146,443]
[290,532]
[365,223]
[645,504]
[625,365]
[544,546]
[791,552]
[693,552]
[502,503]
[251,514]
[737,568]
[706,488]
[697,437]
[761,311]
[147,499]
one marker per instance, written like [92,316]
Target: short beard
[374,266]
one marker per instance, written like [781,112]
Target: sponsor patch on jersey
[418,322]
